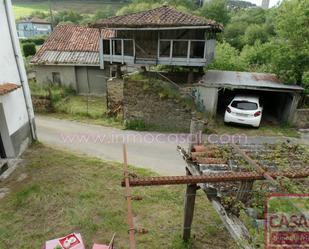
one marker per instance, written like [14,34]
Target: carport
[217,88]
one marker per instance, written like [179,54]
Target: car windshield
[244,105]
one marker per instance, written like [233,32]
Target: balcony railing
[182,52]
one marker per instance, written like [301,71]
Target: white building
[32,27]
[17,128]
[265,4]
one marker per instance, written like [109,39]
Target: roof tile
[160,17]
[8,87]
[71,38]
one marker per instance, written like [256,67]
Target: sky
[259,2]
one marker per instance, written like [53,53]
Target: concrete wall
[206,99]
[301,118]
[44,75]
[80,78]
[147,106]
[14,114]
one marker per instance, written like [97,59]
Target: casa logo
[287,221]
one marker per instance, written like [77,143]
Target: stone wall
[145,103]
[301,118]
[114,93]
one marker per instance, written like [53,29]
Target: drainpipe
[20,69]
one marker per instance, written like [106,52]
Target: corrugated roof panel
[233,79]
[65,57]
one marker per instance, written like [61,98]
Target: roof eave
[143,28]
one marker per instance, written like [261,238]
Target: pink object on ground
[51,244]
[97,246]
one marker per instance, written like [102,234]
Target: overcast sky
[259,2]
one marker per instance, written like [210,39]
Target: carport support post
[189,209]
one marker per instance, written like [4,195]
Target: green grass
[25,8]
[66,193]
[85,109]
[68,105]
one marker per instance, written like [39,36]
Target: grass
[25,8]
[85,109]
[66,193]
[265,130]
[68,105]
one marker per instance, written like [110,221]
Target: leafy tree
[104,13]
[136,7]
[227,58]
[68,17]
[29,49]
[40,14]
[140,5]
[250,16]
[215,10]
[258,57]
[254,33]
[291,58]
[233,34]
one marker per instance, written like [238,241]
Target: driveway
[151,150]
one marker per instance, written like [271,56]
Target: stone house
[17,127]
[70,57]
[31,27]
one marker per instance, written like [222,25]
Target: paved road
[155,151]
[160,156]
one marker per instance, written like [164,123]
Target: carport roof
[246,80]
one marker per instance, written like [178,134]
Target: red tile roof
[160,17]
[72,38]
[8,87]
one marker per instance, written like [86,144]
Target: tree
[234,32]
[215,10]
[291,58]
[258,57]
[68,17]
[255,32]
[227,58]
[104,13]
[140,5]
[29,49]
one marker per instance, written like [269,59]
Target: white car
[244,110]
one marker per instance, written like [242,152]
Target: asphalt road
[151,150]
[147,150]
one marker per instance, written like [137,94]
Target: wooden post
[188,51]
[189,209]
[129,199]
[190,77]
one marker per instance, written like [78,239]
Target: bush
[227,58]
[29,49]
[36,41]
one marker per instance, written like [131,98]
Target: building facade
[32,27]
[17,127]
[161,36]
[70,57]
